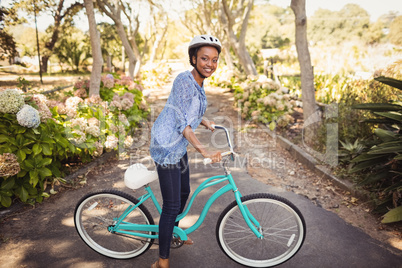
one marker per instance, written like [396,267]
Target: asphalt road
[46,237]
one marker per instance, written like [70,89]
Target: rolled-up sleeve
[183,97]
[185,107]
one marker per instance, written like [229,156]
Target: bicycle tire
[283,228]
[96,211]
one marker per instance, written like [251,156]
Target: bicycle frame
[127,228]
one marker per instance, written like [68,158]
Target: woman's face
[207,60]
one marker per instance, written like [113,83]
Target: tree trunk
[58,17]
[227,56]
[137,54]
[113,12]
[306,70]
[96,50]
[238,43]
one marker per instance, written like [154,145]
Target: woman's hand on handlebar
[208,124]
[214,156]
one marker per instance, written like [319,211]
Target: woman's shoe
[155,265]
[188,241]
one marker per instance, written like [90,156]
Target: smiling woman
[174,129]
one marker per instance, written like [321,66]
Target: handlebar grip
[207,161]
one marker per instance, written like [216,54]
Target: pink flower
[79,84]
[82,93]
[94,99]
[44,112]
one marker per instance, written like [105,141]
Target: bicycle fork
[248,217]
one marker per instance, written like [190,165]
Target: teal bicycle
[257,230]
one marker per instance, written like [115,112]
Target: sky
[375,8]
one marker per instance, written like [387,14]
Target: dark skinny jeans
[174,181]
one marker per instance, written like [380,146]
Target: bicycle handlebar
[209,160]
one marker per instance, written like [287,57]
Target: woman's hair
[192,52]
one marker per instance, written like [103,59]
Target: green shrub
[381,161]
[37,143]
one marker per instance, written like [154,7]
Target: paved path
[46,237]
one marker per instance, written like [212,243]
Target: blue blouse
[185,107]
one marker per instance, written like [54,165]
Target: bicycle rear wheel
[282,225]
[97,211]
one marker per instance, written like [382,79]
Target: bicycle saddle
[138,175]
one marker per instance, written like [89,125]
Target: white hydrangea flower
[93,130]
[28,117]
[11,101]
[81,137]
[123,119]
[80,122]
[128,142]
[111,142]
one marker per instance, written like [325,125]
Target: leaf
[21,155]
[378,121]
[385,150]
[33,177]
[44,172]
[63,142]
[365,157]
[393,215]
[392,115]
[5,201]
[45,162]
[378,106]
[374,178]
[7,184]
[385,135]
[23,194]
[37,149]
[29,163]
[364,165]
[390,81]
[46,149]
[3,138]
[272,126]
[398,157]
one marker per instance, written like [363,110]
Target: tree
[59,14]
[114,10]
[111,43]
[395,31]
[7,42]
[8,46]
[73,48]
[270,27]
[157,30]
[234,18]
[334,27]
[306,70]
[96,50]
[205,18]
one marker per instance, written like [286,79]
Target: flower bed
[39,137]
[260,99]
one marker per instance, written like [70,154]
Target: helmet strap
[199,73]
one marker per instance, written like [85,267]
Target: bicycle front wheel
[96,212]
[281,224]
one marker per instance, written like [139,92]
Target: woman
[174,129]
